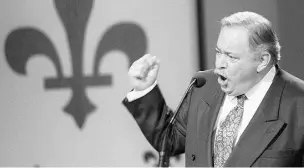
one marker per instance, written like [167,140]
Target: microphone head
[200,79]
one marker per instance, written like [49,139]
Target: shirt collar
[260,87]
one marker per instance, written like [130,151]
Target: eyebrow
[224,52]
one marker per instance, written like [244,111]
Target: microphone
[198,81]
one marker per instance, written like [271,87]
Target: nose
[220,61]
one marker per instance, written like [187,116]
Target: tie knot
[240,99]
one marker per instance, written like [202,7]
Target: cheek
[235,72]
[241,74]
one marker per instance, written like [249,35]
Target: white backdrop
[35,129]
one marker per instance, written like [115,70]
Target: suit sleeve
[153,115]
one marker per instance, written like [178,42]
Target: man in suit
[250,112]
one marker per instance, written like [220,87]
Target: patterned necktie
[227,132]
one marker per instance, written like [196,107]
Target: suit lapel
[207,114]
[263,127]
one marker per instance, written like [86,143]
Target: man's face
[235,64]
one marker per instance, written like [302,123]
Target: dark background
[286,16]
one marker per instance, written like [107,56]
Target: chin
[229,93]
[226,90]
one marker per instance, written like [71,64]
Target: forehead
[233,39]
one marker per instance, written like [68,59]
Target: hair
[261,35]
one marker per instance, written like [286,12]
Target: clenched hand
[143,72]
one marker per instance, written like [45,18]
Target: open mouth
[222,77]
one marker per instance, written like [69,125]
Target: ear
[265,59]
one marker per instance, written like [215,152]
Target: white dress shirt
[251,104]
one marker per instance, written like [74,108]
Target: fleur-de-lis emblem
[25,42]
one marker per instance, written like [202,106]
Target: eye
[232,58]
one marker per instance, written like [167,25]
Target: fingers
[147,60]
[141,67]
[138,69]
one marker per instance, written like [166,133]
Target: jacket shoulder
[293,84]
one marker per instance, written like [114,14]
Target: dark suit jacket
[274,136]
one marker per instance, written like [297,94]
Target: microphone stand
[164,154]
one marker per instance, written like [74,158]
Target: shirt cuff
[133,95]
